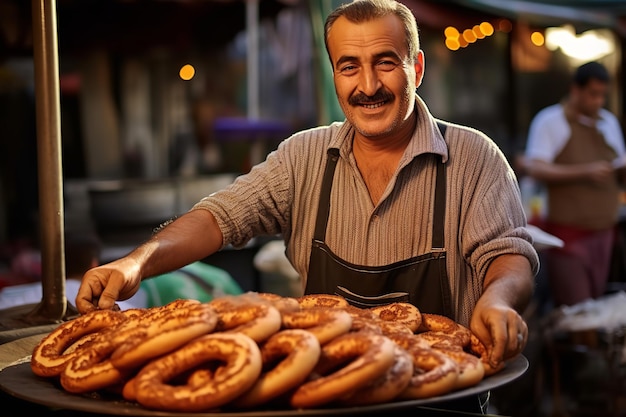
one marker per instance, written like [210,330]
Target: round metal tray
[18,380]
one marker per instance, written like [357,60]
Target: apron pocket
[363,301]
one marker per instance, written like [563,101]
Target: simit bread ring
[167,332]
[288,356]
[368,357]
[325,323]
[240,315]
[434,374]
[322,300]
[403,313]
[387,387]
[240,366]
[49,357]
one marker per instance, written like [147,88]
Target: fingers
[517,339]
[504,334]
[108,298]
[98,290]
[86,298]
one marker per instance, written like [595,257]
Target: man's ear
[419,68]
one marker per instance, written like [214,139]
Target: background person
[576,148]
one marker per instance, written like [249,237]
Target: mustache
[361,98]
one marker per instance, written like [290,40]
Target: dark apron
[421,280]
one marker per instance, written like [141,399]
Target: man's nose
[369,82]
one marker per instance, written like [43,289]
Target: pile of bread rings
[259,350]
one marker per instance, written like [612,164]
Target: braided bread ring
[437,323]
[50,356]
[471,369]
[298,352]
[363,324]
[478,348]
[371,356]
[325,323]
[387,387]
[434,374]
[408,342]
[440,340]
[322,300]
[166,333]
[91,369]
[283,304]
[242,366]
[256,320]
[404,313]
[441,324]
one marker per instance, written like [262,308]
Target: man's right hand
[103,285]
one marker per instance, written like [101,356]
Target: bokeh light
[187,72]
[451,32]
[537,38]
[486,28]
[469,35]
[455,39]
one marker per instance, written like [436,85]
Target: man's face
[375,80]
[590,98]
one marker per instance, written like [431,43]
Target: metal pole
[252,31]
[53,305]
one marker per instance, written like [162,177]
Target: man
[378,208]
[574,148]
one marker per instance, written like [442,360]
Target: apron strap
[438,241]
[324,204]
[323,209]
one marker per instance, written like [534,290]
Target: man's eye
[348,69]
[386,65]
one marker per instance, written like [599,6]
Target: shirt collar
[573,115]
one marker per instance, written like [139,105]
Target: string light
[456,39]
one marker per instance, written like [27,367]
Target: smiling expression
[375,79]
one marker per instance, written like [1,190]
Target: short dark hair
[591,71]
[366,10]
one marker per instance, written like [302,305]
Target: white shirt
[549,132]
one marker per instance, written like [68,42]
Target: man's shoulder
[549,114]
[470,142]
[319,131]
[317,138]
[608,115]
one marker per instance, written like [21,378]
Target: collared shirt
[549,132]
[484,213]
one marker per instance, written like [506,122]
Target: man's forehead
[385,33]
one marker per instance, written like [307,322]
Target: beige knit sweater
[484,213]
